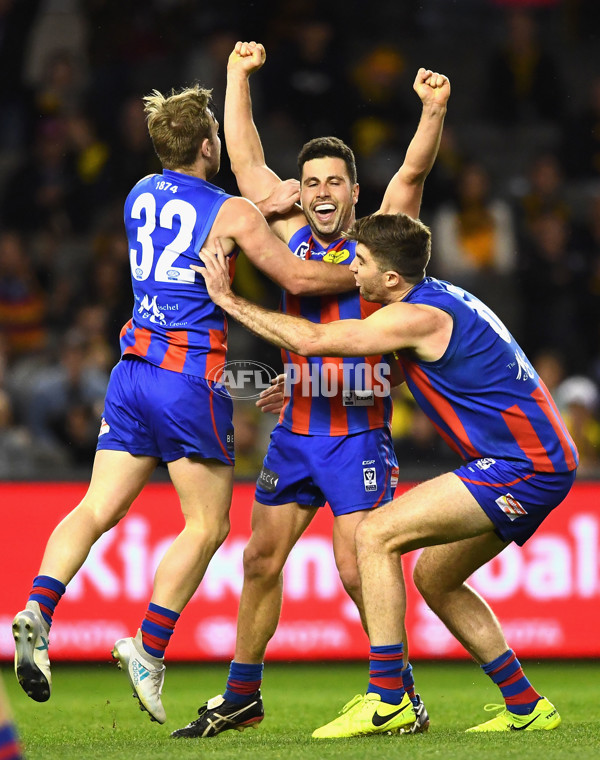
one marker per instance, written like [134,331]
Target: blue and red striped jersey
[329,395]
[175,324]
[484,396]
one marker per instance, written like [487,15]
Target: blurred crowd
[513,200]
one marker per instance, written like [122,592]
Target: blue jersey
[175,324]
[483,396]
[342,396]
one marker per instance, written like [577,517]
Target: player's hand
[431,87]
[246,57]
[282,199]
[215,272]
[272,398]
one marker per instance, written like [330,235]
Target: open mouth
[324,212]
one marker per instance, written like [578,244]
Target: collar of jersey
[185,179]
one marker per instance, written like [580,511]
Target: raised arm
[242,224]
[255,179]
[405,190]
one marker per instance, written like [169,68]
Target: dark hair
[328,147]
[397,242]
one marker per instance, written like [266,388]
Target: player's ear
[355,191]
[391,278]
[206,148]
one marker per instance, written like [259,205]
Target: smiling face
[328,197]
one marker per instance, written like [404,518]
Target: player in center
[314,430]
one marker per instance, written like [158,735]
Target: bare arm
[405,189]
[255,179]
[239,223]
[396,326]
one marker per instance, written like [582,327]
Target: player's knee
[351,583]
[371,535]
[430,584]
[261,561]
[103,515]
[423,581]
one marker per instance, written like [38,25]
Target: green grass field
[92,715]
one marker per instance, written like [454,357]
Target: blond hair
[178,123]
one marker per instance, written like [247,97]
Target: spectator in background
[61,88]
[526,77]
[378,110]
[133,155]
[90,157]
[15,445]
[550,366]
[72,383]
[552,281]
[16,21]
[22,302]
[249,439]
[39,193]
[578,399]
[545,194]
[476,245]
[591,289]
[307,75]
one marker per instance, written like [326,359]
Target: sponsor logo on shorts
[483,464]
[268,480]
[104,427]
[394,477]
[510,506]
[370,478]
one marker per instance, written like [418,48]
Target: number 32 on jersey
[164,271]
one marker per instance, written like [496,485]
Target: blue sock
[46,591]
[9,743]
[506,672]
[385,673]
[409,683]
[157,628]
[243,682]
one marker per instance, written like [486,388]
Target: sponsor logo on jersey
[483,464]
[368,461]
[510,506]
[358,398]
[301,251]
[149,309]
[268,480]
[336,257]
[104,427]
[370,478]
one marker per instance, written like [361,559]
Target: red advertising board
[546,594]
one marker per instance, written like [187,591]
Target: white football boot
[146,674]
[32,664]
